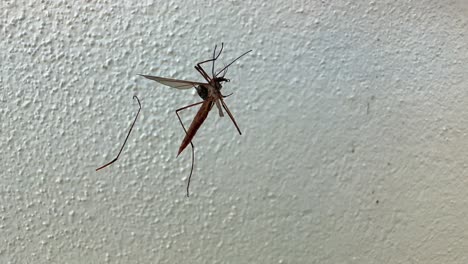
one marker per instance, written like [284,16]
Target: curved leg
[131,127]
[199,68]
[193,147]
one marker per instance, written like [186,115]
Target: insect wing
[174,83]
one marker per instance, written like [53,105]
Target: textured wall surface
[354,117]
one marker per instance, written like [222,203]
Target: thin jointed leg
[202,71]
[131,127]
[193,151]
[230,115]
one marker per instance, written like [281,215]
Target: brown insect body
[198,120]
[211,95]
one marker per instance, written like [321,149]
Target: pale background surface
[355,144]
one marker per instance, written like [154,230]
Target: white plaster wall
[355,144]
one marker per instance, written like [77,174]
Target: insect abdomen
[198,120]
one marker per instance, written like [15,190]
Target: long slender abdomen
[198,120]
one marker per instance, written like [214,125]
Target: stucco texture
[354,117]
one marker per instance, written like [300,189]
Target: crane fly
[209,92]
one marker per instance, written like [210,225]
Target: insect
[209,91]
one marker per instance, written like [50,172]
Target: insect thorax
[202,91]
[213,88]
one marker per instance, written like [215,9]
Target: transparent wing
[178,84]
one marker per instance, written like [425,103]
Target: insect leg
[224,96]
[193,151]
[230,115]
[201,70]
[227,66]
[215,58]
[203,73]
[183,108]
[131,127]
[224,74]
